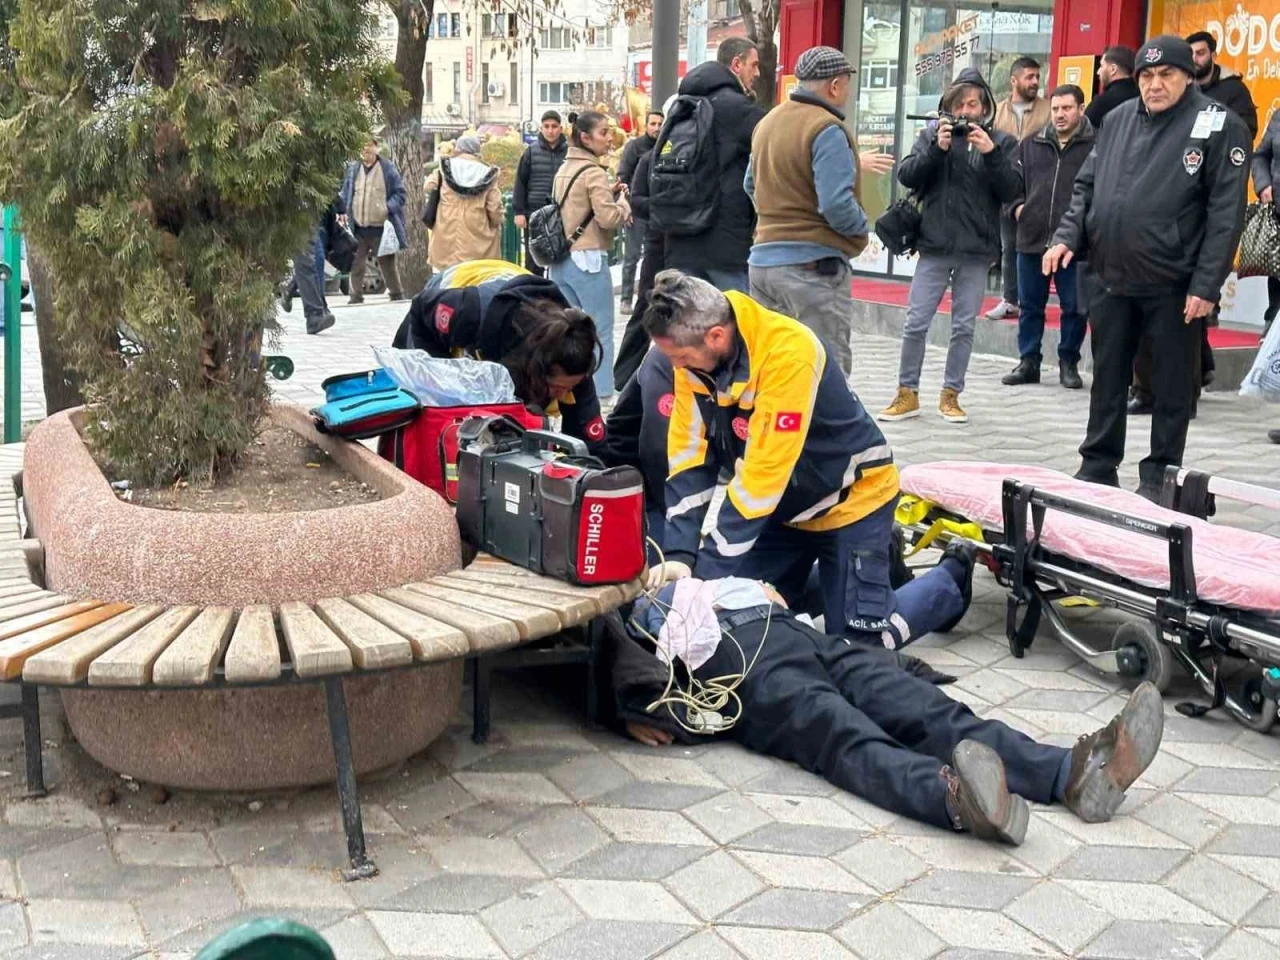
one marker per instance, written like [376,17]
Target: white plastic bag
[447,383]
[390,243]
[1264,376]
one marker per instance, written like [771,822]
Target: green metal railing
[11,269]
[512,244]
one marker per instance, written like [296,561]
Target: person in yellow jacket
[813,478]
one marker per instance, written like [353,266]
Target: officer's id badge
[1237,156]
[1209,121]
[1192,160]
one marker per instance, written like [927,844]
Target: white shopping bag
[390,243]
[1264,376]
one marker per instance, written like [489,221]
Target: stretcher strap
[912,510]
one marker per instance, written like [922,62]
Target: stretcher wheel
[1143,656]
[1252,696]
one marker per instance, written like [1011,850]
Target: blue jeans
[1033,294]
[592,292]
[726,280]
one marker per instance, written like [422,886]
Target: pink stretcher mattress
[1234,568]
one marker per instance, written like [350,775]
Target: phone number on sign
[947,55]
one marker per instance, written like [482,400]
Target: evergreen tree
[168,157]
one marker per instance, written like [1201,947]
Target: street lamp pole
[666,49]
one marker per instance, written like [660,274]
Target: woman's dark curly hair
[552,338]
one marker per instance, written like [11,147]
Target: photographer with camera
[962,171]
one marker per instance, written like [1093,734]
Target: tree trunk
[404,135]
[760,18]
[61,383]
[767,82]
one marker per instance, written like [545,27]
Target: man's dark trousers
[632,250]
[1117,323]
[1033,294]
[1142,367]
[853,576]
[867,726]
[1008,258]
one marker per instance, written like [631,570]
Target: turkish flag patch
[444,316]
[788,422]
[666,403]
[595,430]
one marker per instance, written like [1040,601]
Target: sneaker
[966,555]
[978,797]
[1004,310]
[1069,374]
[625,304]
[324,323]
[395,297]
[906,404]
[1105,763]
[1027,371]
[949,407]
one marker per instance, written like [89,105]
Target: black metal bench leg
[348,793]
[482,673]
[31,740]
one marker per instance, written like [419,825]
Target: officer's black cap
[1166,50]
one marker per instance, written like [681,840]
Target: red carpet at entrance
[894,293]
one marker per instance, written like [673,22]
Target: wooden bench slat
[25,590]
[532,622]
[10,605]
[45,611]
[254,653]
[314,648]
[19,581]
[492,565]
[571,610]
[485,632]
[68,662]
[195,653]
[373,644]
[15,650]
[128,663]
[605,597]
[431,639]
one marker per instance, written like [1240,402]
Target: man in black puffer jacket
[534,175]
[719,255]
[962,183]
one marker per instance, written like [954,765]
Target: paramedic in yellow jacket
[813,477]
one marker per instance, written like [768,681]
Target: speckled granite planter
[97,546]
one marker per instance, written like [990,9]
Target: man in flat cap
[1160,205]
[803,179]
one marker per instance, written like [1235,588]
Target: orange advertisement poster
[1248,41]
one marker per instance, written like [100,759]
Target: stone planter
[99,547]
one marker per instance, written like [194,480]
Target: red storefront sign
[644,73]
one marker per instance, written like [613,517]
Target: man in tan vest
[803,181]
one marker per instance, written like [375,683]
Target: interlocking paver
[1052,911]
[975,891]
[648,826]
[727,816]
[1133,864]
[146,848]
[798,838]
[85,921]
[707,945]
[714,884]
[887,932]
[435,935]
[633,861]
[763,944]
[558,836]
[530,918]
[1221,891]
[795,910]
[882,864]
[1129,940]
[610,940]
[805,873]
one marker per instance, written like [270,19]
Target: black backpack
[684,184]
[548,242]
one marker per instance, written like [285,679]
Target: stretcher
[1202,595]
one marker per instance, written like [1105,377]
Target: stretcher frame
[1172,625]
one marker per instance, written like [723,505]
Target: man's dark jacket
[535,173]
[636,148]
[1048,173]
[1157,211]
[961,190]
[1116,93]
[727,243]
[1227,87]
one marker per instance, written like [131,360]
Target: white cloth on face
[690,629]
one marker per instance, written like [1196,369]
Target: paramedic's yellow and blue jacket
[803,449]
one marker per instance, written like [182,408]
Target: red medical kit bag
[538,500]
[427,449]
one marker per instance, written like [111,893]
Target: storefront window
[903,72]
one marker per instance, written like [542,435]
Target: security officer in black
[1158,207]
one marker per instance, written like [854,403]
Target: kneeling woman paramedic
[494,310]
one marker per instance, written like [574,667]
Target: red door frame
[808,23]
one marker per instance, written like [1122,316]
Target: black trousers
[529,263]
[635,342]
[839,710]
[1142,366]
[1117,323]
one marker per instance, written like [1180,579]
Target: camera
[960,126]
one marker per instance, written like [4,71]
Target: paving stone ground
[560,842]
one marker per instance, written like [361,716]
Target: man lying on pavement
[727,657]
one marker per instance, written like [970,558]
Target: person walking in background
[534,175]
[803,179]
[1163,194]
[719,253]
[1115,77]
[587,200]
[1266,184]
[962,184]
[466,222]
[635,341]
[373,194]
[1022,114]
[1049,162]
[633,237]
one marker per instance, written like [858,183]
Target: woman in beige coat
[584,277]
[468,216]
